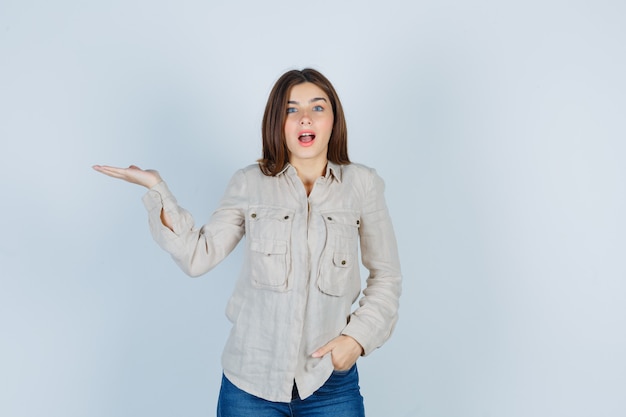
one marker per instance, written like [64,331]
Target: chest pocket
[269,236]
[339,267]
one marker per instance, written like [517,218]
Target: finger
[323,350]
[107,168]
[110,171]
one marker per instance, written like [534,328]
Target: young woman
[305,210]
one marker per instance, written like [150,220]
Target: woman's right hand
[133,174]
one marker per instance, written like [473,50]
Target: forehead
[304,92]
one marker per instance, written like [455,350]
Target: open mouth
[306,137]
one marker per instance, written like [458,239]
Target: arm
[195,250]
[373,322]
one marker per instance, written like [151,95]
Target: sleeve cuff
[157,197]
[360,334]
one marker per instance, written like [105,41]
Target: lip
[303,132]
[309,133]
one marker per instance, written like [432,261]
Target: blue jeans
[338,397]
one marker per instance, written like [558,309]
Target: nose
[305,120]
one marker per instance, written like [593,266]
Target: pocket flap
[344,217]
[342,260]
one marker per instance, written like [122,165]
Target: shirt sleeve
[197,250]
[372,323]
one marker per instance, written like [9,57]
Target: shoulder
[358,172]
[248,172]
[251,176]
[355,168]
[364,179]
[251,169]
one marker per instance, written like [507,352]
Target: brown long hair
[275,152]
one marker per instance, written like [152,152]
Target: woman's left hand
[344,351]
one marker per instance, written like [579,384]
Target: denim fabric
[338,397]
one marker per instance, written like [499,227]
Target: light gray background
[498,126]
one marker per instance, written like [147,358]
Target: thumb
[323,350]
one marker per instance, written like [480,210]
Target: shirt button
[343,262]
[253,215]
[286,217]
[358,222]
[330,218]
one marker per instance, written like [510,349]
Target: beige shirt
[301,273]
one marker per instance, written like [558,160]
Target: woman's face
[309,124]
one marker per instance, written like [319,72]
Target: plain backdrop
[499,130]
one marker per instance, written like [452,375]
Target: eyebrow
[313,100]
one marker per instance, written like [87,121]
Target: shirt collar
[335,170]
[332,170]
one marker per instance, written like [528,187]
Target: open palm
[133,174]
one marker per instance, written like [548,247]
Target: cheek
[290,125]
[329,124]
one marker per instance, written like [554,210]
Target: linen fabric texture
[301,273]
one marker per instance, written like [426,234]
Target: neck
[309,171]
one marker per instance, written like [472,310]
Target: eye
[318,108]
[291,110]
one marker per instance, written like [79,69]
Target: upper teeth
[307,134]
